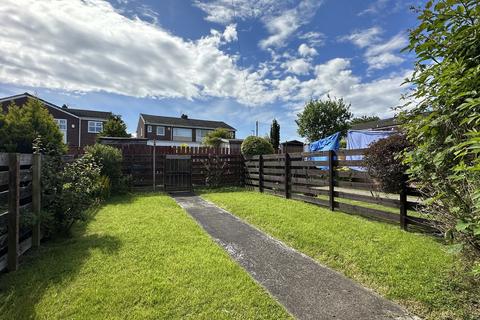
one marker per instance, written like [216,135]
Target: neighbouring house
[389,124]
[292,146]
[233,144]
[181,131]
[80,128]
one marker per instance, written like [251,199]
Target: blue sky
[232,60]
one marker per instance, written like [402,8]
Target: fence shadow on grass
[56,263]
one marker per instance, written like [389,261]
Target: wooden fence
[20,194]
[146,165]
[332,179]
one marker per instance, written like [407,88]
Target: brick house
[171,131]
[80,128]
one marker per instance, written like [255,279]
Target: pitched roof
[383,123]
[182,122]
[89,113]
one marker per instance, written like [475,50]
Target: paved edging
[307,289]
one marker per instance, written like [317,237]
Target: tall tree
[214,138]
[322,118]
[442,120]
[363,119]
[115,127]
[275,134]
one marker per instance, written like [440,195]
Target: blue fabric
[329,143]
[361,139]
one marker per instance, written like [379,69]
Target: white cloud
[230,33]
[314,39]
[378,54]
[364,38]
[281,18]
[297,66]
[305,51]
[375,7]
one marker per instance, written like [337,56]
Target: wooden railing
[20,194]
[335,180]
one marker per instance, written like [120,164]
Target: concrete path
[307,289]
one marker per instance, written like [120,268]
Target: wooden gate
[178,172]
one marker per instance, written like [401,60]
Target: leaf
[462,226]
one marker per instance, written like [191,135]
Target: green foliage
[443,119]
[383,161]
[114,127]
[322,118]
[275,134]
[252,146]
[110,160]
[22,127]
[82,187]
[363,119]
[214,138]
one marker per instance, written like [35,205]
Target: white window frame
[60,124]
[149,128]
[198,134]
[95,124]
[162,131]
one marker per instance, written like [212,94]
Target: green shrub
[252,146]
[82,187]
[110,160]
[383,161]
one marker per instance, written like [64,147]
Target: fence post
[36,197]
[154,164]
[331,178]
[287,176]
[260,173]
[13,210]
[403,205]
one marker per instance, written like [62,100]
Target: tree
[214,138]
[114,127]
[322,118]
[22,128]
[275,134]
[363,119]
[252,146]
[442,118]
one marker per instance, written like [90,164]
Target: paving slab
[307,289]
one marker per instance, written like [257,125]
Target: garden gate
[178,173]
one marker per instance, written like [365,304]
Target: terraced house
[80,127]
[171,131]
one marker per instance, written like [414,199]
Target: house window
[62,125]
[160,131]
[201,133]
[95,126]
[149,129]
[182,134]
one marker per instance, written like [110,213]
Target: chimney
[184,116]
[64,106]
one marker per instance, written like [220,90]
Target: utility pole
[256,128]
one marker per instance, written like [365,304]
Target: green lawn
[140,257]
[412,269]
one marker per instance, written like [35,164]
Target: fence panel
[336,180]
[20,194]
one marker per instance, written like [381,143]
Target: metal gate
[178,173]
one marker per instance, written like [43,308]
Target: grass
[140,257]
[415,270]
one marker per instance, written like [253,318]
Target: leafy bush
[322,118]
[110,160]
[82,187]
[256,146]
[383,160]
[21,128]
[443,118]
[214,138]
